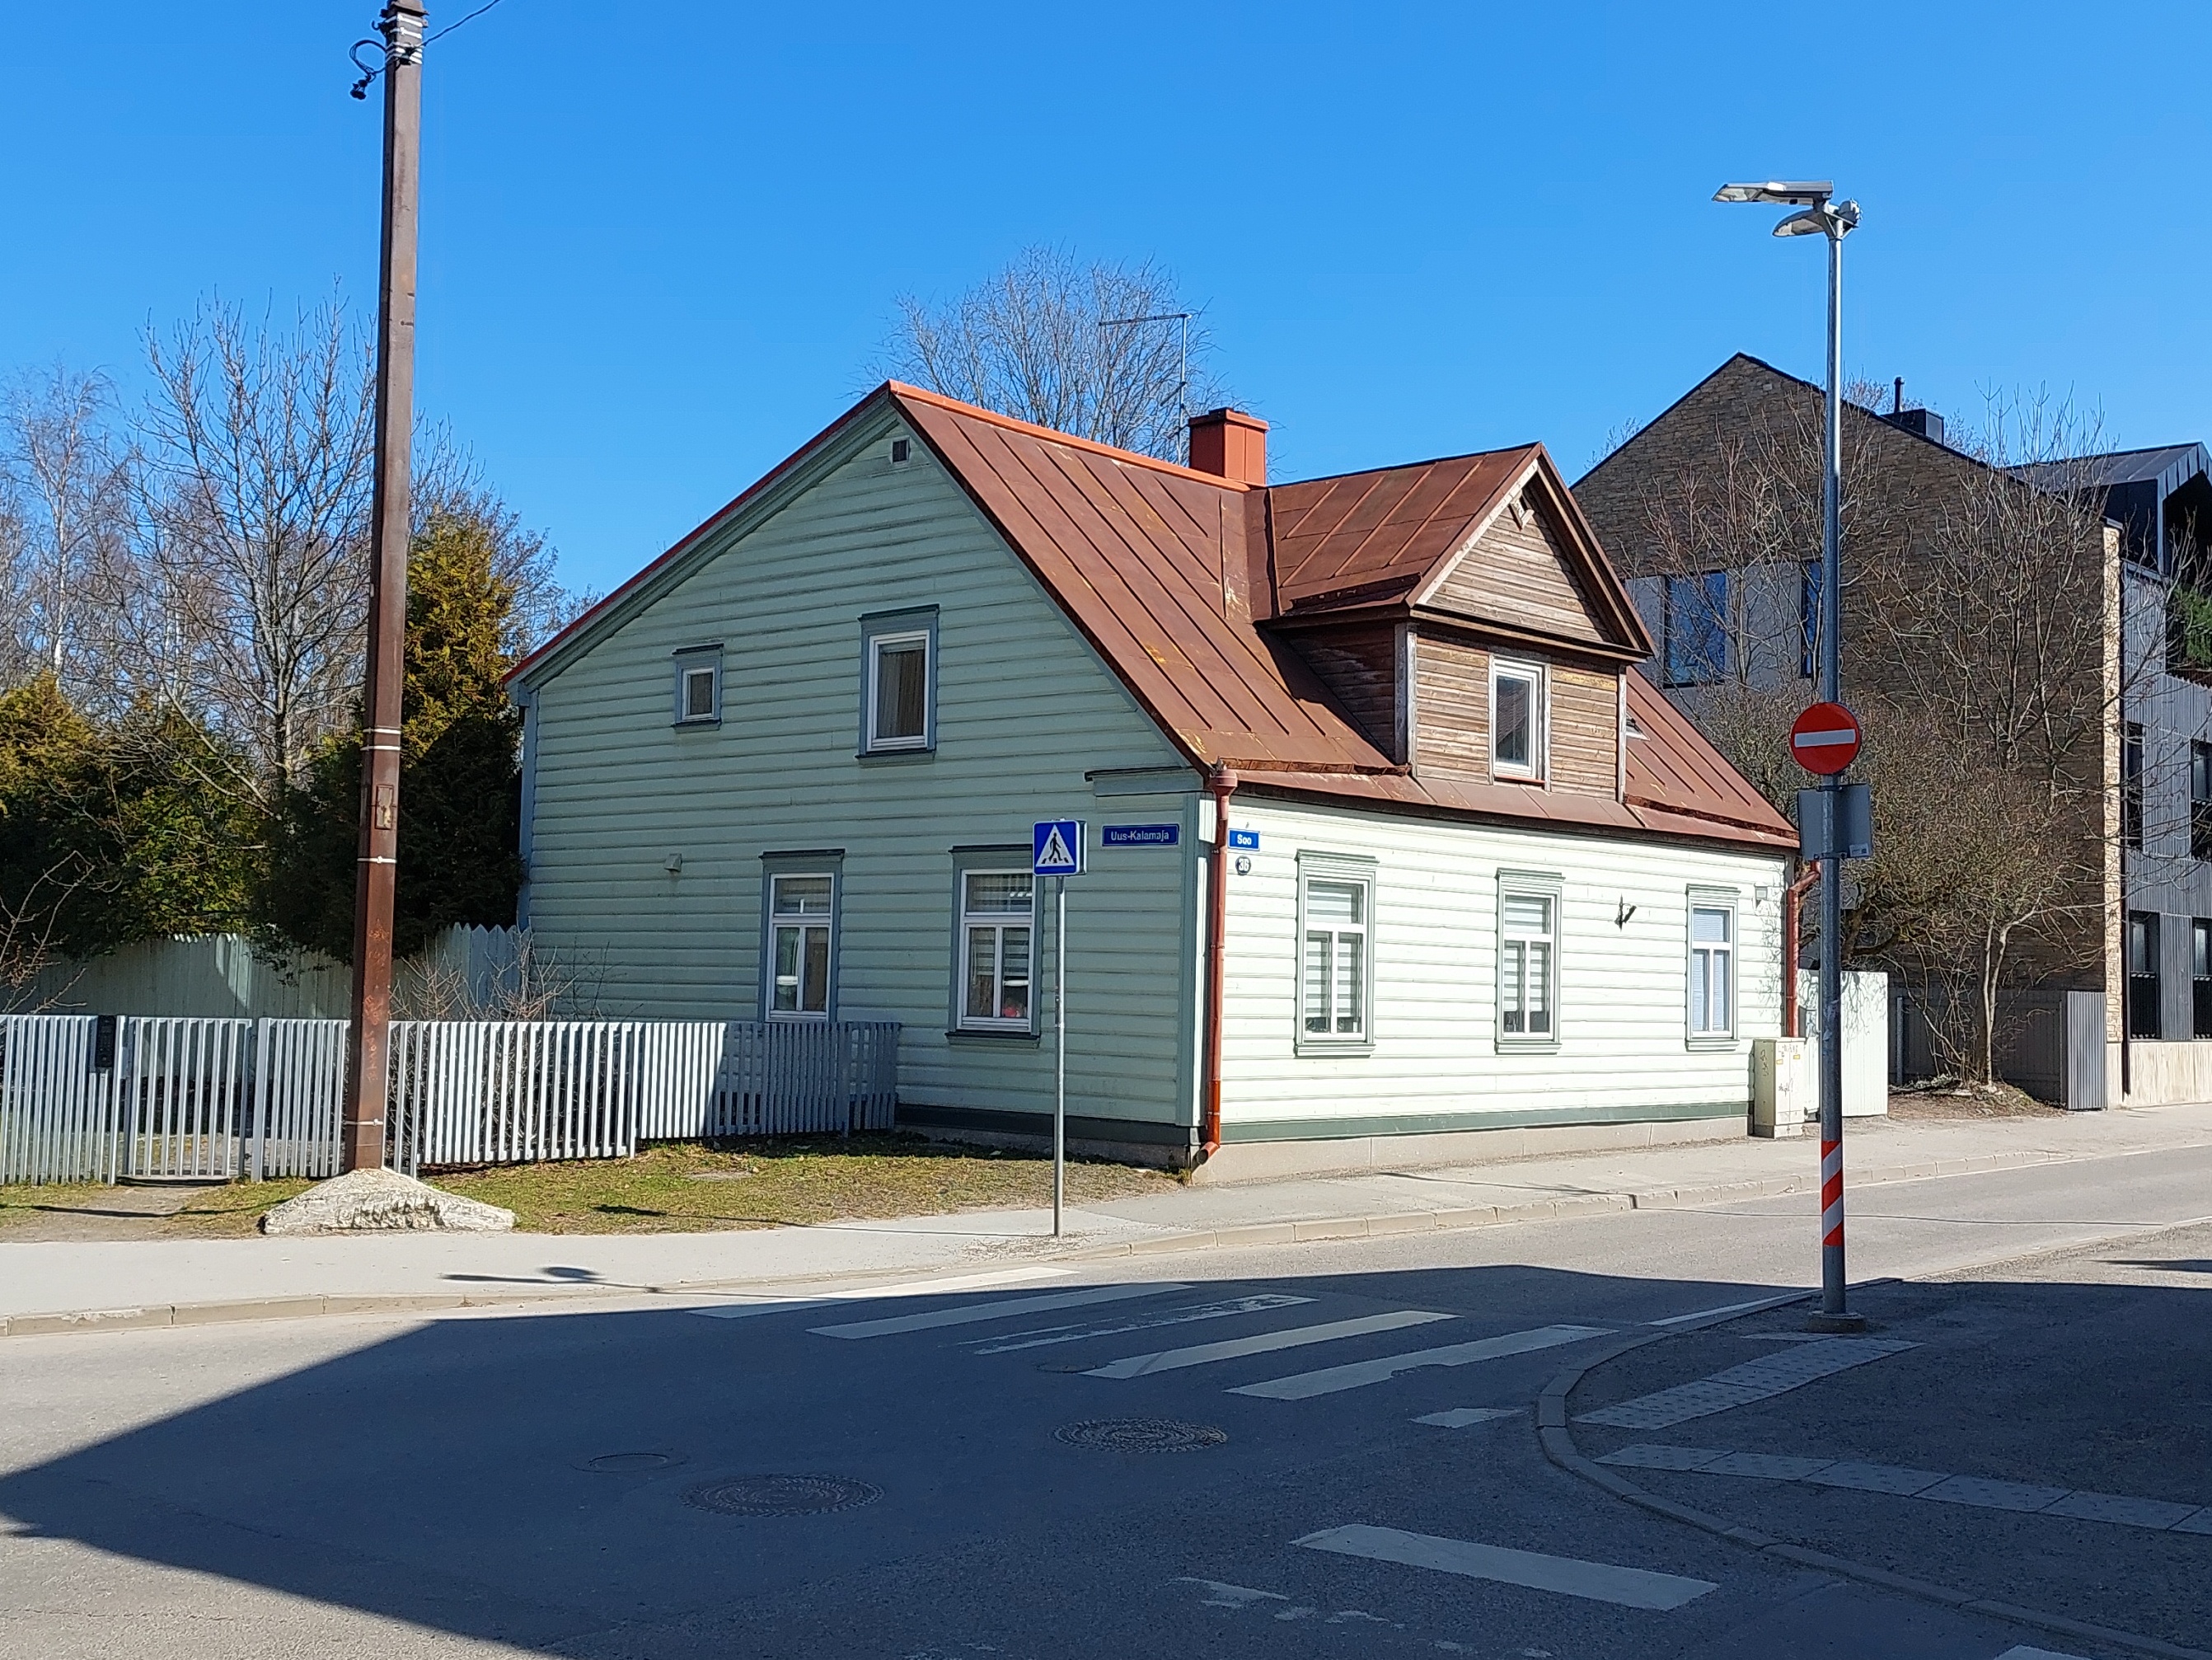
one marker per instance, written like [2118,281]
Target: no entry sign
[1826,738]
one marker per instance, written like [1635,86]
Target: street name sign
[1243,838]
[1826,738]
[1140,836]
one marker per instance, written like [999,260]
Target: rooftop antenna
[1182,382]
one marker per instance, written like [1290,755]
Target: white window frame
[1539,721]
[905,629]
[1548,887]
[1724,900]
[1314,867]
[802,922]
[692,660]
[964,920]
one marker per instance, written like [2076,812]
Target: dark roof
[1380,534]
[2169,465]
[1153,564]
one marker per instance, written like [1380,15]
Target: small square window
[898,683]
[902,451]
[699,687]
[1516,721]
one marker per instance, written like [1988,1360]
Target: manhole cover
[1140,1435]
[621,1463]
[782,1495]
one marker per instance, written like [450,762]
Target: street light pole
[368,1057]
[1820,214]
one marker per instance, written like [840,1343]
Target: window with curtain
[998,926]
[801,915]
[1527,967]
[1333,973]
[1712,970]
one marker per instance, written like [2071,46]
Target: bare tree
[66,484]
[254,563]
[1984,662]
[1027,342]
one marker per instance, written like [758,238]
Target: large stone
[383,1201]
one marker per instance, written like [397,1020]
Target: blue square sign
[1056,847]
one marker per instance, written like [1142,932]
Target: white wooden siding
[1024,709]
[1623,988]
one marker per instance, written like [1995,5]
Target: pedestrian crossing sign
[1056,847]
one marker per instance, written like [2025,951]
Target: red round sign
[1826,738]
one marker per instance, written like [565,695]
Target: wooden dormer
[1405,590]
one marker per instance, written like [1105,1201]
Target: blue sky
[662,241]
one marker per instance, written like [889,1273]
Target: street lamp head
[1798,193]
[1838,220]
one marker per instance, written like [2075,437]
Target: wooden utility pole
[367,1068]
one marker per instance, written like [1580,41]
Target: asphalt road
[551,1482]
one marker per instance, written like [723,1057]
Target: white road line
[1978,1492]
[1458,1418]
[1755,1380]
[868,1294]
[1143,1365]
[1596,1581]
[1752,1307]
[1304,1386]
[970,1313]
[1047,1336]
[2021,1652]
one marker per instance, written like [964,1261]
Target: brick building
[1712,511]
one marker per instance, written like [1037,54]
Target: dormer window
[1517,721]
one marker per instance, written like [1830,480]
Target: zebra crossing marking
[1569,1576]
[1304,1386]
[970,1313]
[1046,1337]
[1202,1354]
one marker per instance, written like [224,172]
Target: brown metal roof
[1672,769]
[1138,552]
[1380,534]
[1153,564]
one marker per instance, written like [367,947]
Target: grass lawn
[679,1187]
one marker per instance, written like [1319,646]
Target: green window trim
[1008,860]
[1333,958]
[1530,935]
[802,934]
[898,683]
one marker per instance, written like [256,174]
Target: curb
[1239,1236]
[1559,1447]
[1483,1216]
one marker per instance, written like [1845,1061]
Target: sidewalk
[2067,1469]
[65,1284]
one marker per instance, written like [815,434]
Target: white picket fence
[213,1099]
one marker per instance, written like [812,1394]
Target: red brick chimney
[1230,443]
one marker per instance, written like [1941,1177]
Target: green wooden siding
[1024,709]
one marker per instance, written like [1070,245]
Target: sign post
[1056,850]
[1825,740]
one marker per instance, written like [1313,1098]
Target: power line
[458,22]
[368,74]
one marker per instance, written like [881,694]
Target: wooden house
[1387,836]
